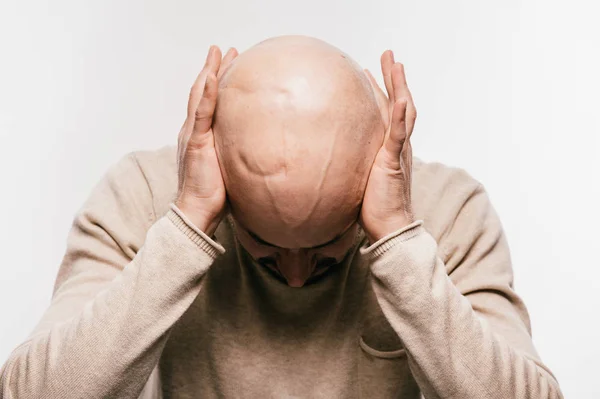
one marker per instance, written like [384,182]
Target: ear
[382,101]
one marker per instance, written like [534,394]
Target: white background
[507,90]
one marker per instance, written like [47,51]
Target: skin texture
[296,127]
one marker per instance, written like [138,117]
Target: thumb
[206,108]
[395,140]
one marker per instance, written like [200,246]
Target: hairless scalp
[296,130]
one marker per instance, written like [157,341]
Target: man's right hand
[201,194]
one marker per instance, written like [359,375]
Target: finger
[229,56]
[387,61]
[180,139]
[397,137]
[406,165]
[183,136]
[382,100]
[212,64]
[406,155]
[180,148]
[206,107]
[401,90]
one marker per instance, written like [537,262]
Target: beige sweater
[146,305]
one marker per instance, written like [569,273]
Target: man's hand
[201,192]
[387,201]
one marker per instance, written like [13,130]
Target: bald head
[297,128]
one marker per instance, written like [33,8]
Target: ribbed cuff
[385,243]
[188,228]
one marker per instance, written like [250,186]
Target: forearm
[452,352]
[111,347]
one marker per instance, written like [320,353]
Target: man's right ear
[382,101]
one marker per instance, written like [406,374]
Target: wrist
[386,228]
[202,220]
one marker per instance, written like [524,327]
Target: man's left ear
[382,100]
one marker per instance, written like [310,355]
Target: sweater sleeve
[125,279]
[465,330]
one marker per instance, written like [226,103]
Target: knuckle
[200,114]
[184,129]
[204,110]
[399,66]
[192,103]
[194,91]
[414,114]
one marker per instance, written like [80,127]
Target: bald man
[288,247]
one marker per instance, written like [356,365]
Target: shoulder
[159,168]
[441,194]
[125,202]
[438,186]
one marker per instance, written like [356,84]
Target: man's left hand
[387,201]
